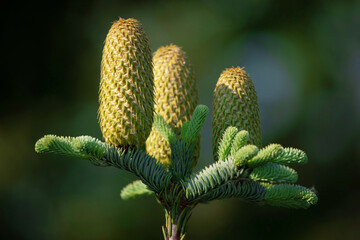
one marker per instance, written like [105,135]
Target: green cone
[235,104]
[126,88]
[176,97]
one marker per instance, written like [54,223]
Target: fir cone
[176,98]
[126,87]
[235,104]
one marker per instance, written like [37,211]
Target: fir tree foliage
[181,158]
[275,153]
[163,128]
[238,175]
[196,123]
[136,161]
[183,146]
[134,190]
[267,154]
[148,169]
[84,147]
[274,173]
[241,139]
[289,195]
[209,178]
[226,143]
[246,190]
[243,171]
[246,163]
[244,154]
[291,156]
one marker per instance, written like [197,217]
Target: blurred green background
[304,59]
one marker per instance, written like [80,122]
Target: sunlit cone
[176,97]
[235,104]
[126,86]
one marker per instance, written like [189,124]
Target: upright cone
[176,97]
[126,87]
[235,104]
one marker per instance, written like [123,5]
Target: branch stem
[175,233]
[175,223]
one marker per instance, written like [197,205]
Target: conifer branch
[241,139]
[245,190]
[163,128]
[184,129]
[265,155]
[289,195]
[274,173]
[147,168]
[245,153]
[181,159]
[226,143]
[196,123]
[84,147]
[152,173]
[209,178]
[134,190]
[291,156]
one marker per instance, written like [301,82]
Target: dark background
[304,59]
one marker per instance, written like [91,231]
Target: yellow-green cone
[235,104]
[126,87]
[176,97]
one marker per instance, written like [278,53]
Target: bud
[176,98]
[126,86]
[235,104]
